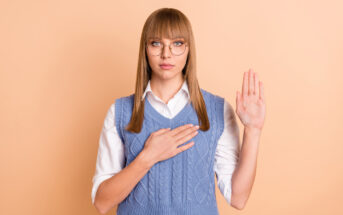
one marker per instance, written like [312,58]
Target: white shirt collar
[184,88]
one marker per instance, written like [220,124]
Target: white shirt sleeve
[110,158]
[227,152]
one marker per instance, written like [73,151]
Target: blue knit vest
[183,184]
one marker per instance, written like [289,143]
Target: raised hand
[250,104]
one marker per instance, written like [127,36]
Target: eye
[153,42]
[179,42]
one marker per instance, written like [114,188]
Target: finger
[186,138]
[180,128]
[245,84]
[185,133]
[162,130]
[262,97]
[251,83]
[256,86]
[184,147]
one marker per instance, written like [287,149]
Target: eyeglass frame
[186,44]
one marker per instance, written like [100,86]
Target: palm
[250,104]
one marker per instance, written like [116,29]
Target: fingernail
[197,126]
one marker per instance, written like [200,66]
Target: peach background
[64,62]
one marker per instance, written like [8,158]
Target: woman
[155,162]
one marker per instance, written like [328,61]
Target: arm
[251,108]
[115,189]
[244,175]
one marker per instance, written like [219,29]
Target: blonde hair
[167,23]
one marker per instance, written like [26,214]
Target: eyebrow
[157,38]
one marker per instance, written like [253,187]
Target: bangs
[168,25]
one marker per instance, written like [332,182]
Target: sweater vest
[184,183]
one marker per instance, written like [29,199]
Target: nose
[165,51]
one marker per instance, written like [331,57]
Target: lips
[166,66]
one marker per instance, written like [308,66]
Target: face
[156,63]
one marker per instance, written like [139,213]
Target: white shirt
[110,158]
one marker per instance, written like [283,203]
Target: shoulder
[109,119]
[126,98]
[124,101]
[123,104]
[223,104]
[229,112]
[212,97]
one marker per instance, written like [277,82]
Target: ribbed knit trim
[118,117]
[151,112]
[187,209]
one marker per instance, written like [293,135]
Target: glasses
[176,48]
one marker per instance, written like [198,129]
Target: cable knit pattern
[183,184]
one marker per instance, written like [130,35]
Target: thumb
[237,96]
[238,99]
[162,130]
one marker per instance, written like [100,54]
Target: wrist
[252,130]
[145,159]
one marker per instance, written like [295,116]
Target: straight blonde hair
[167,23]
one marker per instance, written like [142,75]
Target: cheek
[181,62]
[153,62]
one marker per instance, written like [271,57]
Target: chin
[167,74]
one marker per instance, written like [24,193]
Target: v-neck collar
[152,112]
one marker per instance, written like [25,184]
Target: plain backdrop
[63,63]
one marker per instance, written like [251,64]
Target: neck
[166,89]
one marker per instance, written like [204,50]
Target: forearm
[244,175]
[115,189]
